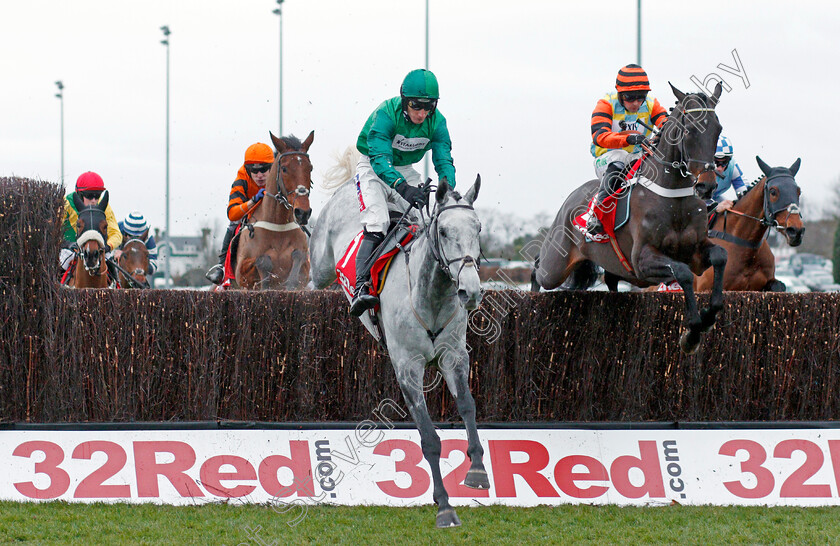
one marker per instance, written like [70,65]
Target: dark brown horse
[273,249]
[772,202]
[666,235]
[91,234]
[134,260]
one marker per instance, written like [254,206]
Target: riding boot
[216,274]
[362,297]
[610,182]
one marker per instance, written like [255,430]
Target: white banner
[527,467]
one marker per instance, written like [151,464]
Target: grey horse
[423,313]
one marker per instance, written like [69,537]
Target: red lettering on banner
[298,462]
[834,452]
[453,482]
[566,477]
[92,487]
[648,463]
[53,455]
[795,485]
[148,469]
[211,477]
[420,480]
[755,457]
[504,469]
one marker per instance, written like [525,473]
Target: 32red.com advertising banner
[371,466]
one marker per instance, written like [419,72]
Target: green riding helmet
[422,86]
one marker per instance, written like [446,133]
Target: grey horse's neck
[431,288]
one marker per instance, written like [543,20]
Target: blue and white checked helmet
[724,148]
[135,224]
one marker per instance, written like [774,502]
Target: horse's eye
[774,192]
[798,192]
[284,169]
[443,232]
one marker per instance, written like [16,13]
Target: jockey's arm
[114,235]
[239,204]
[151,246]
[601,126]
[69,232]
[442,153]
[738,183]
[379,141]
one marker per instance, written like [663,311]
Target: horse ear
[677,93]
[442,190]
[308,142]
[795,167]
[717,93]
[103,203]
[472,193]
[765,168]
[279,145]
[77,201]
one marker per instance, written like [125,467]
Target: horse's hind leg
[410,377]
[455,369]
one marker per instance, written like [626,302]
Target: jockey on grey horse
[396,135]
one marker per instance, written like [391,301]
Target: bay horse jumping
[273,249]
[134,260]
[772,203]
[666,235]
[91,234]
[431,286]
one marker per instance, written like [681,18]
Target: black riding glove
[415,196]
[635,139]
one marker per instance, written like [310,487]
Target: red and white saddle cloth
[345,269]
[605,212]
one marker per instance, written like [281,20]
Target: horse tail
[343,171]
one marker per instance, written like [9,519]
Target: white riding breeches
[603,160]
[65,256]
[375,195]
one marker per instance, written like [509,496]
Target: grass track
[63,523]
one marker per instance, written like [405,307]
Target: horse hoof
[477,479]
[447,518]
[689,343]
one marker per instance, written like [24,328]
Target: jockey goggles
[722,161]
[90,194]
[422,104]
[259,168]
[633,97]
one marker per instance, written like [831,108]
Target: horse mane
[342,170]
[292,142]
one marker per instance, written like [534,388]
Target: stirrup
[215,274]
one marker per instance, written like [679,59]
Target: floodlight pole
[168,277]
[426,156]
[60,96]
[279,14]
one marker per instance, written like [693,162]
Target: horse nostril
[462,295]
[302,216]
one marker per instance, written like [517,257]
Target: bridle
[683,164]
[437,247]
[768,218]
[282,195]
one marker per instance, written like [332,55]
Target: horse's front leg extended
[454,364]
[715,256]
[410,377]
[654,266]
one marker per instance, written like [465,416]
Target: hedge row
[157,355]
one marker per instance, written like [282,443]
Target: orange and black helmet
[631,78]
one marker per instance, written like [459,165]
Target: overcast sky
[518,84]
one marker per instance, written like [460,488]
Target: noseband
[282,195]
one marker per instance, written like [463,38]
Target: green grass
[63,523]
